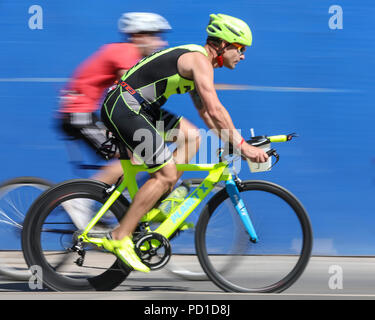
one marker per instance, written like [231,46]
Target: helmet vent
[233,31]
[217,26]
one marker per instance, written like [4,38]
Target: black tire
[38,240]
[260,263]
[16,196]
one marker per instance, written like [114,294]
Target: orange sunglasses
[241,48]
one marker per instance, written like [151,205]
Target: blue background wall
[301,75]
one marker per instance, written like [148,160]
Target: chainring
[153,249]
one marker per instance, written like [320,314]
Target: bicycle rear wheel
[272,264]
[16,197]
[49,235]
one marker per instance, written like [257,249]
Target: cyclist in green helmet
[225,31]
[136,104]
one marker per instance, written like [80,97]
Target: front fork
[238,203]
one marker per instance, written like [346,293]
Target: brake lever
[292,135]
[271,153]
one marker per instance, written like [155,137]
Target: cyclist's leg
[160,183]
[139,134]
[183,133]
[119,241]
[136,129]
[86,127]
[187,141]
[110,173]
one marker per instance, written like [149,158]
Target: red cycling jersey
[85,90]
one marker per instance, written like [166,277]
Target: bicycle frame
[217,172]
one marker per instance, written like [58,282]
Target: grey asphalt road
[324,278]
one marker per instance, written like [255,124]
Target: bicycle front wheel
[16,197]
[272,264]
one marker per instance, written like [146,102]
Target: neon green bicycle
[251,236]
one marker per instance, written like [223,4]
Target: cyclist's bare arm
[196,66]
[205,116]
[203,112]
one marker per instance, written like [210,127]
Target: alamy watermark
[36,278]
[336,21]
[208,142]
[335,281]
[36,20]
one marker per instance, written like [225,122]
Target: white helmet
[136,22]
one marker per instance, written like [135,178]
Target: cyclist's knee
[167,176]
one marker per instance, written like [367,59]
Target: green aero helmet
[230,29]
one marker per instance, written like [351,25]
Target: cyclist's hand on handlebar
[253,153]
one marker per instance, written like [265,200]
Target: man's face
[233,54]
[149,42]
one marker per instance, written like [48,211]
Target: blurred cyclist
[84,92]
[135,105]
